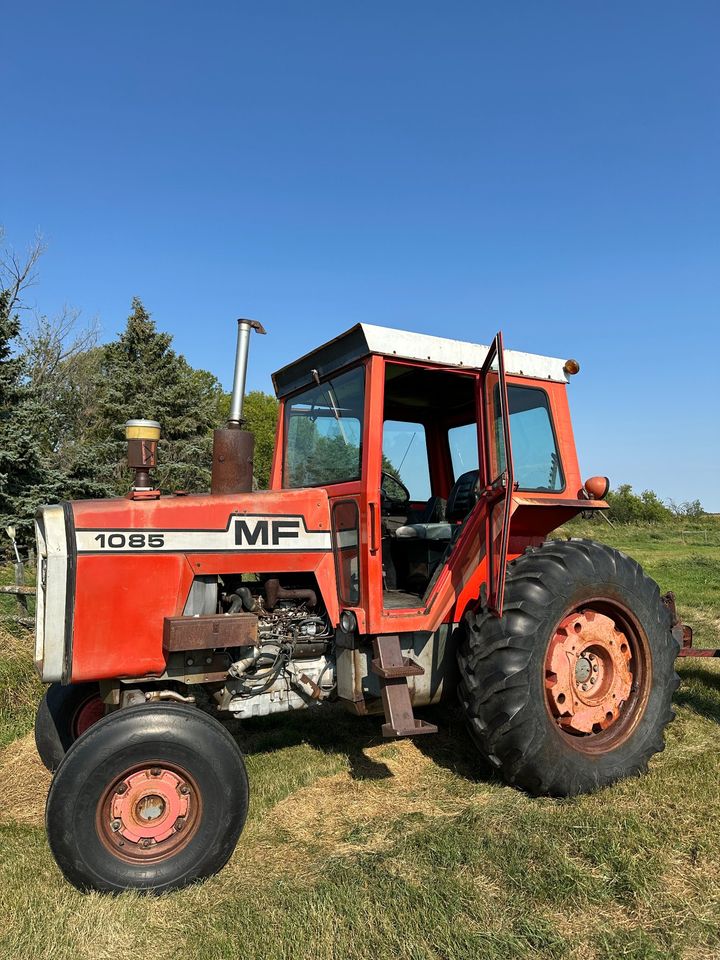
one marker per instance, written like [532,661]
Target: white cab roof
[367,338]
[458,353]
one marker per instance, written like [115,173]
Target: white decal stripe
[274,533]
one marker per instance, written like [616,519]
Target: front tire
[151,798]
[571,689]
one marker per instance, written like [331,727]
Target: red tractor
[399,558]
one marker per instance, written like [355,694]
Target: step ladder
[393,669]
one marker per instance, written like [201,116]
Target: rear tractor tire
[571,689]
[149,798]
[65,712]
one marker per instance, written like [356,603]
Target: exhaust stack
[233,447]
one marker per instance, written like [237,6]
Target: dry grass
[359,847]
[24,783]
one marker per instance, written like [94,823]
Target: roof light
[571,367]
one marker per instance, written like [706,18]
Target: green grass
[358,847]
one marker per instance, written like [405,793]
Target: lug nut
[115,826]
[179,823]
[145,842]
[122,788]
[184,789]
[155,771]
[595,668]
[584,686]
[592,680]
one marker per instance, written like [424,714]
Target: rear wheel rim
[149,813]
[597,675]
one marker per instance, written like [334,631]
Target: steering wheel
[390,485]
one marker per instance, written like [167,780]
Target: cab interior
[429,475]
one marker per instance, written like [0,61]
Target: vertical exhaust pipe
[233,447]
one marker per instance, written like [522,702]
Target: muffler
[233,447]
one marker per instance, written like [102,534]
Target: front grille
[52,586]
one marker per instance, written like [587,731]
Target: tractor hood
[111,571]
[290,520]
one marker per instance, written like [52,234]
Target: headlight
[348,621]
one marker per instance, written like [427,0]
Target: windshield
[323,430]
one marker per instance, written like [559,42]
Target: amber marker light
[571,367]
[596,488]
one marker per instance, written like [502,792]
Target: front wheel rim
[597,675]
[149,813]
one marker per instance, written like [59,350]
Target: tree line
[64,399]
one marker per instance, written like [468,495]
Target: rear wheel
[150,798]
[571,689]
[65,712]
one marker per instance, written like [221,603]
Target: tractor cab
[426,447]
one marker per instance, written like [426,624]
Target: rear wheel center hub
[588,672]
[583,670]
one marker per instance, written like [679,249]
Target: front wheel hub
[148,812]
[588,672]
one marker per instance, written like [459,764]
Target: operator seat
[461,500]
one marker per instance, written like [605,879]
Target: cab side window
[535,455]
[405,456]
[463,448]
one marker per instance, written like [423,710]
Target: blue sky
[551,169]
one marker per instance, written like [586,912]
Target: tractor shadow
[699,690]
[332,730]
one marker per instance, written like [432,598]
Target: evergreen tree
[27,477]
[140,376]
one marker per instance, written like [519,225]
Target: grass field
[362,848]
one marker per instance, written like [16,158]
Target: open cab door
[496,471]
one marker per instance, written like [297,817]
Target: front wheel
[571,689]
[150,798]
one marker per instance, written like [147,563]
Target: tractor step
[393,670]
